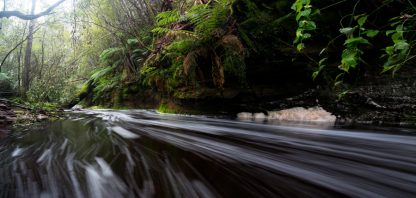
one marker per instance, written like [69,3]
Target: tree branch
[21,42]
[7,14]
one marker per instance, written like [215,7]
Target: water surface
[141,153]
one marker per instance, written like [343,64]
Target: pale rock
[314,114]
[259,116]
[245,115]
[77,108]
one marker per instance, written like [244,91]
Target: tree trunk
[28,53]
[19,60]
[42,62]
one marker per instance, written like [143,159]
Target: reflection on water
[145,154]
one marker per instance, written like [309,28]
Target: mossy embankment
[226,57]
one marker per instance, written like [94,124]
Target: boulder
[314,114]
[77,108]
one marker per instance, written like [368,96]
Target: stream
[141,153]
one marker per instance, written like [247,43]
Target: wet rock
[314,114]
[41,117]
[77,108]
[7,116]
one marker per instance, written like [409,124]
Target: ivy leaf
[315,74]
[397,37]
[401,45]
[388,32]
[306,36]
[389,50]
[344,67]
[307,25]
[387,68]
[371,33]
[347,30]
[356,40]
[304,13]
[349,59]
[300,46]
[362,20]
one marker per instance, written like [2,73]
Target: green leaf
[349,59]
[306,36]
[371,33]
[401,45]
[387,68]
[362,20]
[299,33]
[307,25]
[314,75]
[388,32]
[344,67]
[347,30]
[311,25]
[356,41]
[160,30]
[300,47]
[304,13]
[389,50]
[360,15]
[397,37]
[322,61]
[133,41]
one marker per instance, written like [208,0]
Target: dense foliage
[108,51]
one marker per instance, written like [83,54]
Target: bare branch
[7,14]
[20,43]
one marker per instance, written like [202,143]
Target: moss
[165,108]
[97,107]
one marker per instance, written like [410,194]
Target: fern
[167,18]
[181,34]
[96,76]
[181,46]
[160,30]
[207,19]
[207,33]
[110,54]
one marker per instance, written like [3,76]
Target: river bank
[7,115]
[15,114]
[370,97]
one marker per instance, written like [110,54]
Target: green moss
[164,108]
[97,107]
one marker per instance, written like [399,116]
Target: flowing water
[146,154]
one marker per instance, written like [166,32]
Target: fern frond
[167,18]
[188,62]
[218,71]
[233,41]
[181,34]
[151,59]
[160,30]
[101,73]
[206,19]
[110,53]
[181,46]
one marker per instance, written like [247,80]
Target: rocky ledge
[7,116]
